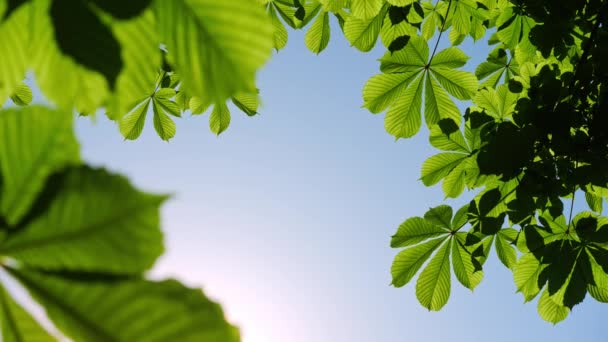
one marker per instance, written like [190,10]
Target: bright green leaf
[433,285]
[93,222]
[34,143]
[216,46]
[102,309]
[408,262]
[415,230]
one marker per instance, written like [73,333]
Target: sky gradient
[286,218]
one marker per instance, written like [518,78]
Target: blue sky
[286,218]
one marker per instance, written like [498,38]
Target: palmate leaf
[163,104]
[34,143]
[220,116]
[498,103]
[140,43]
[102,309]
[456,166]
[496,67]
[436,81]
[421,237]
[17,324]
[14,39]
[90,221]
[216,46]
[513,28]
[434,15]
[467,17]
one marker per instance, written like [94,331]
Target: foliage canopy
[532,138]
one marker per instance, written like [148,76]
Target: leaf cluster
[80,240]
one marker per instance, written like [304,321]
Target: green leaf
[460,218]
[450,58]
[599,288]
[408,262]
[499,103]
[248,103]
[453,142]
[551,311]
[141,56]
[363,33]
[400,33]
[437,167]
[101,310]
[14,49]
[216,46]
[164,126]
[411,58]
[382,90]
[513,28]
[311,9]
[22,96]
[495,67]
[17,324]
[526,273]
[364,9]
[440,216]
[197,106]
[462,261]
[287,10]
[400,3]
[415,230]
[504,248]
[219,119]
[92,221]
[460,84]
[34,143]
[81,88]
[403,118]
[280,32]
[433,285]
[317,37]
[132,124]
[594,201]
[454,183]
[438,104]
[434,18]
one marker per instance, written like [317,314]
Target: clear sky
[286,218]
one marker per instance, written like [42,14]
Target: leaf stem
[445,20]
[573,197]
